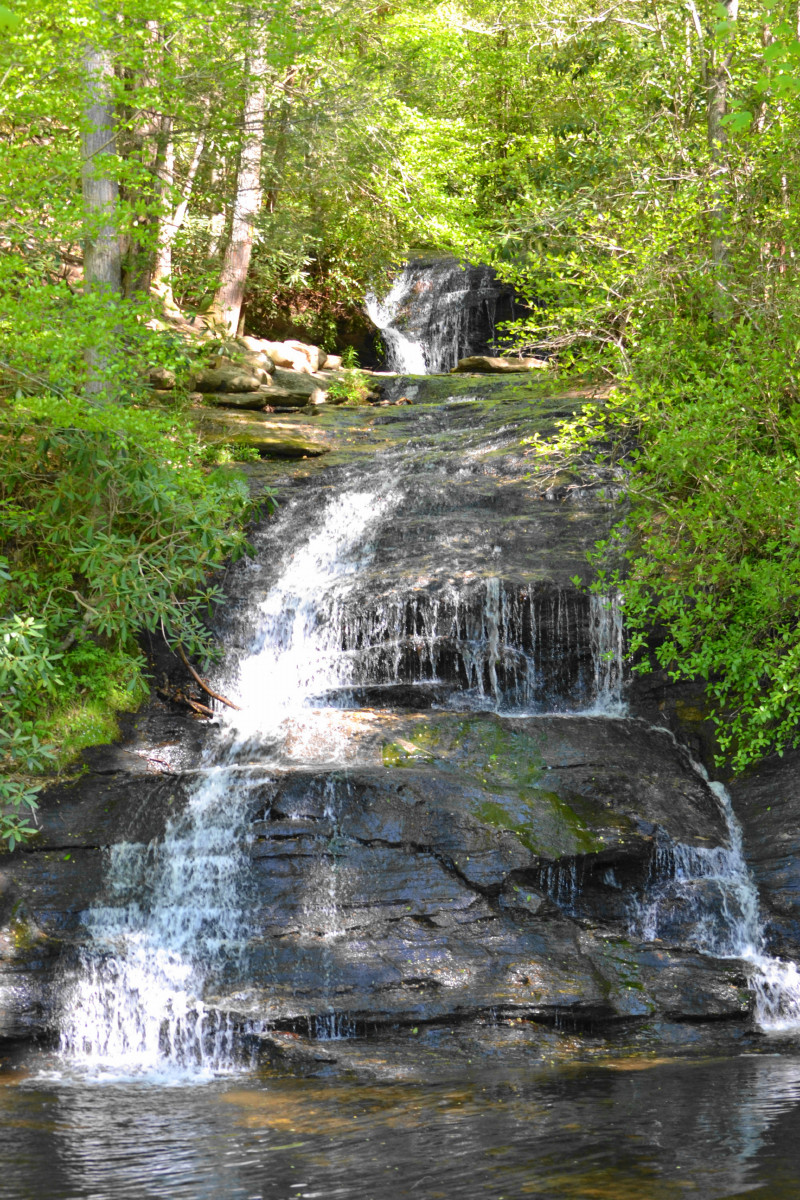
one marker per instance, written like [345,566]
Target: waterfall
[339,596]
[174,918]
[403,355]
[438,311]
[716,897]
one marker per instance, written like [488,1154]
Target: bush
[110,525]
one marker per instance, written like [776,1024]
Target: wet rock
[239,400]
[767,802]
[302,385]
[271,441]
[416,892]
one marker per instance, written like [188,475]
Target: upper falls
[438,311]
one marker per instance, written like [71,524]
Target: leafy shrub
[110,525]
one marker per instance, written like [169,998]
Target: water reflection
[625,1128]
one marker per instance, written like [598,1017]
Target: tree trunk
[717,148]
[714,69]
[281,142]
[171,222]
[227,305]
[102,267]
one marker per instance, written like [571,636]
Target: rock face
[439,311]
[767,802]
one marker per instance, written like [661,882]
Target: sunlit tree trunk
[172,221]
[227,305]
[102,268]
[715,67]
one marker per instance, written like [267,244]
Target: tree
[249,190]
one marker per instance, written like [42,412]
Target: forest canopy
[631,168]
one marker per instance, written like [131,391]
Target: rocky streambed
[439,808]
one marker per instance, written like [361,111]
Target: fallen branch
[204,686]
[178,697]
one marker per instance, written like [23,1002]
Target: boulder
[252,400]
[162,379]
[313,354]
[253,344]
[260,362]
[227,378]
[333,362]
[482,364]
[299,384]
[287,357]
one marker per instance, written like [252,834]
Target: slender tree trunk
[717,145]
[171,222]
[714,70]
[227,305]
[281,142]
[102,267]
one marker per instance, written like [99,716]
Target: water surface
[624,1129]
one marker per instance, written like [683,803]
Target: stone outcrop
[484,364]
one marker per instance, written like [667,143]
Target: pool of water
[624,1129]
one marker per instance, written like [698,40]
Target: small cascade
[322,905]
[500,646]
[439,311]
[708,898]
[403,354]
[296,630]
[173,923]
[608,653]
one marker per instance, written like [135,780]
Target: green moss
[544,823]
[99,684]
[508,767]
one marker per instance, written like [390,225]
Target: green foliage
[109,525]
[707,557]
[711,545]
[352,388]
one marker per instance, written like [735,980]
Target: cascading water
[716,900]
[439,311]
[174,919]
[377,586]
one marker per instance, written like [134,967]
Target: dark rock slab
[767,803]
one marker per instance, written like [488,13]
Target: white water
[437,312]
[720,899]
[608,655]
[297,649]
[174,921]
[174,916]
[404,356]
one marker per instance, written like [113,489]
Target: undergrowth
[707,555]
[111,525]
